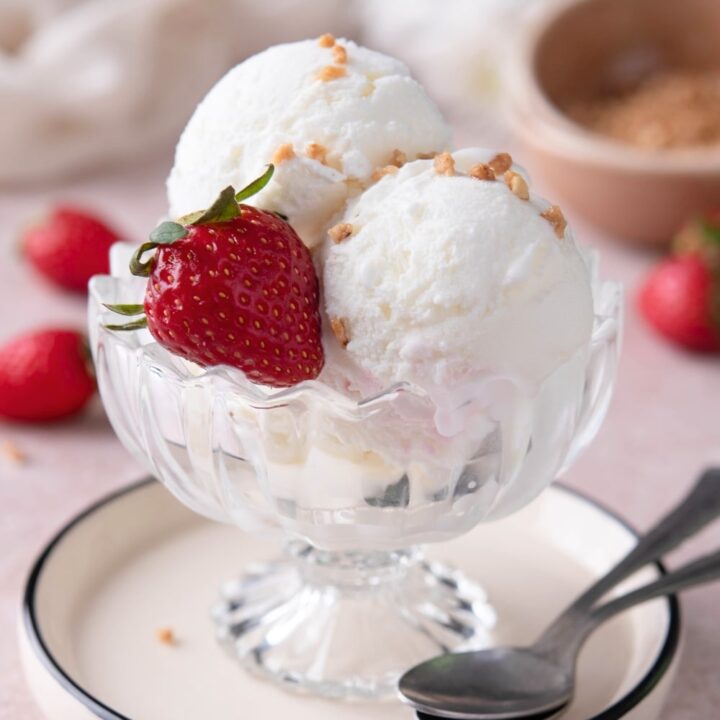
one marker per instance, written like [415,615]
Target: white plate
[138,561]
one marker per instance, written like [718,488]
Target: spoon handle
[703,570]
[700,507]
[565,649]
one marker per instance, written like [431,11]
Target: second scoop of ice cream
[445,278]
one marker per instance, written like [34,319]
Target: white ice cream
[447,280]
[275,98]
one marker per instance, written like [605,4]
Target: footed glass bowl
[356,487]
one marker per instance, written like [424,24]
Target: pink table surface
[663,426]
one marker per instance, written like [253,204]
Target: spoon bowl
[538,681]
[442,681]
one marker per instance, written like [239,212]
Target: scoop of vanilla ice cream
[279,97]
[449,279]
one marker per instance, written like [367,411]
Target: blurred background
[612,105]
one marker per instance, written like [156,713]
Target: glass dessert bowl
[355,486]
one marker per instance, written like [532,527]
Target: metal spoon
[504,683]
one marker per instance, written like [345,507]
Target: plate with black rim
[137,561]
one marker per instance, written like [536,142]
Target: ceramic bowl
[581,46]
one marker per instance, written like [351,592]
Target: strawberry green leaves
[168,232]
[123,309]
[225,208]
[227,205]
[138,324]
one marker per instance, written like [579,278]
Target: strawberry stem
[137,266]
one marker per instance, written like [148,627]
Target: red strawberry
[45,375]
[69,246]
[681,299]
[233,286]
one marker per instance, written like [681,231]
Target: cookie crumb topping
[481,171]
[340,330]
[426,155]
[284,152]
[339,54]
[444,164]
[340,232]
[326,40]
[331,72]
[517,185]
[397,158]
[316,151]
[381,172]
[501,163]
[554,215]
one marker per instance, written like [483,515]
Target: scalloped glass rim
[607,299]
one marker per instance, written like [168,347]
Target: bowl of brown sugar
[616,108]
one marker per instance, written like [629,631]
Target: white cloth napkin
[90,82]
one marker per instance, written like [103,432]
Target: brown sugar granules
[670,109]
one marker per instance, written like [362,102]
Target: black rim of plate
[623,706]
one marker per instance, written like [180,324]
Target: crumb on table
[165,635]
[12,452]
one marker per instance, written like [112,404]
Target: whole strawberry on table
[680,297]
[68,246]
[45,375]
[232,285]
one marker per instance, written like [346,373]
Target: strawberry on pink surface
[69,246]
[681,300]
[45,375]
[236,286]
